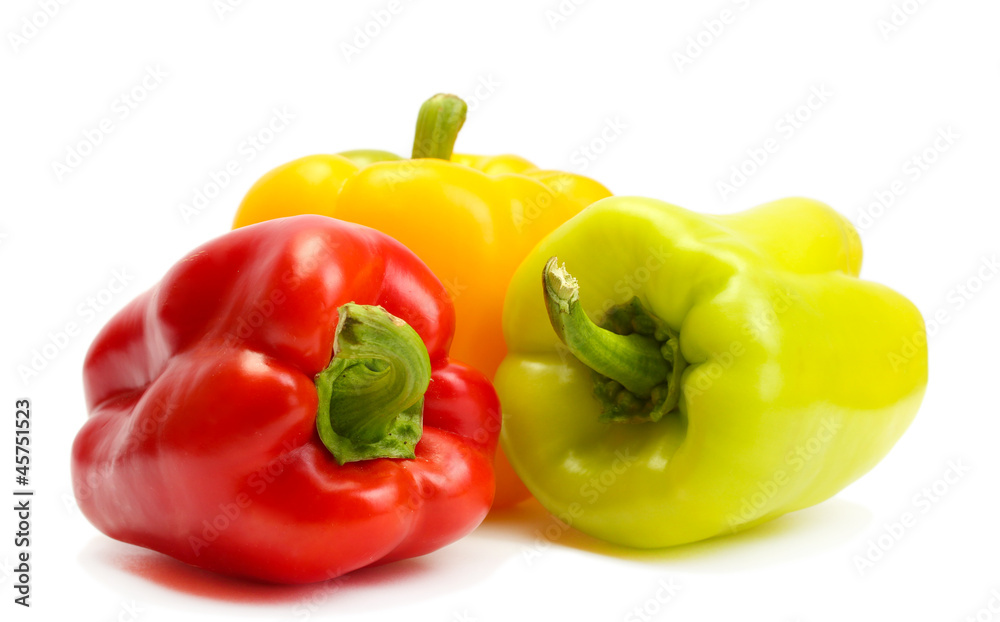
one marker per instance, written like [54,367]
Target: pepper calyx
[635,358]
[371,395]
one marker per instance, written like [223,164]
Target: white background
[548,89]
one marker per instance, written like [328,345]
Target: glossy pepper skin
[795,377]
[203,442]
[471,219]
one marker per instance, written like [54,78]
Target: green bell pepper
[740,369]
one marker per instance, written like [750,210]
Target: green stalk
[438,123]
[634,361]
[637,370]
[371,395]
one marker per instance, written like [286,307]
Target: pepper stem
[438,123]
[371,395]
[646,363]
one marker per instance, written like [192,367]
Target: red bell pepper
[246,418]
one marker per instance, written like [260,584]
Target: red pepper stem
[438,123]
[371,395]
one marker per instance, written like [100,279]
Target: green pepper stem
[635,361]
[438,123]
[371,394]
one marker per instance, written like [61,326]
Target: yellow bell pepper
[738,368]
[471,219]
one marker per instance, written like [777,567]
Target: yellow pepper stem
[438,123]
[647,364]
